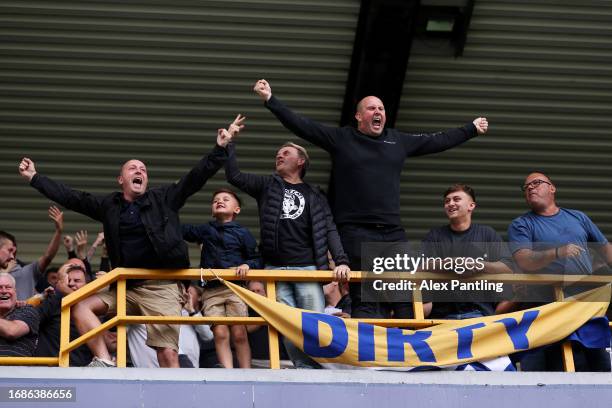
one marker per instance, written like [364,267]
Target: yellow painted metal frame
[121,275]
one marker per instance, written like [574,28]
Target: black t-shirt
[295,228]
[474,242]
[23,346]
[136,248]
[49,333]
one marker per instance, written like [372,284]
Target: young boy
[226,244]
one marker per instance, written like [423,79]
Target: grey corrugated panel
[540,71]
[85,85]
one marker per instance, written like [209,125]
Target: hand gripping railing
[121,275]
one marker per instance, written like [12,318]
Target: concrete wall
[110,388]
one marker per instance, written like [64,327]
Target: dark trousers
[549,358]
[352,236]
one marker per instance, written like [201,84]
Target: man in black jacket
[366,168]
[296,229]
[142,230]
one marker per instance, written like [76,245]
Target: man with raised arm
[366,168]
[27,276]
[71,276]
[297,230]
[142,230]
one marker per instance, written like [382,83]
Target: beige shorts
[221,301]
[152,298]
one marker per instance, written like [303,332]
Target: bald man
[553,239]
[142,230]
[365,186]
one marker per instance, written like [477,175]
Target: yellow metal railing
[121,275]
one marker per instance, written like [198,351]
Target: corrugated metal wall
[86,85]
[541,71]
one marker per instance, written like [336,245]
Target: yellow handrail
[121,275]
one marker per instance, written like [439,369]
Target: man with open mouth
[18,325]
[142,230]
[367,162]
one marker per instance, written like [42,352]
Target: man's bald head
[370,116]
[133,179]
[540,193]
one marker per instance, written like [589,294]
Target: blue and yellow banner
[330,339]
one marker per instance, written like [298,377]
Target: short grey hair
[302,153]
[11,277]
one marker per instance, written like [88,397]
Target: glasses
[535,184]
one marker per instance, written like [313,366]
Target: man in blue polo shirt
[551,239]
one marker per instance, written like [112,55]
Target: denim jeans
[303,295]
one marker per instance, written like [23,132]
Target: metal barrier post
[566,347]
[417,304]
[272,333]
[64,356]
[121,334]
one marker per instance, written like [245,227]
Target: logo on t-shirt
[293,204]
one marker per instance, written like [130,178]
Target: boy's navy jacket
[225,245]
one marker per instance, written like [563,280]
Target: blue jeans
[303,295]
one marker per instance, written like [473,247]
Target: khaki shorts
[152,298]
[221,301]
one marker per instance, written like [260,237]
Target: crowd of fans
[299,230]
[36,311]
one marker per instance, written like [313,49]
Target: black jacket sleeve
[105,264]
[252,184]
[75,200]
[426,143]
[326,137]
[333,238]
[193,181]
